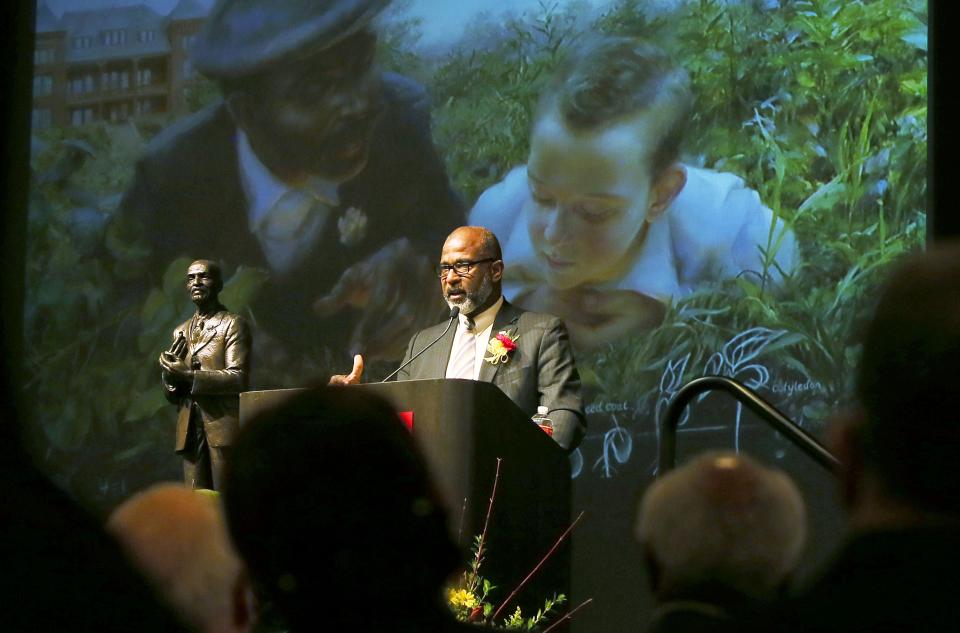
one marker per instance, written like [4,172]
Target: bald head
[479,238]
[178,539]
[722,520]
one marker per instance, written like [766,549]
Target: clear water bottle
[543,420]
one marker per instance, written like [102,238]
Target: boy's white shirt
[710,231]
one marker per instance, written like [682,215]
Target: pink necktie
[463,357]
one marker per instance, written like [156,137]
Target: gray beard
[473,300]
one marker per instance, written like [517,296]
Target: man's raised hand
[353,378]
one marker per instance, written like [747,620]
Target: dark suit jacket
[224,355]
[187,199]
[541,371]
[881,582]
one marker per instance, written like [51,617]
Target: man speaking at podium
[526,354]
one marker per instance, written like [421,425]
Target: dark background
[943,222]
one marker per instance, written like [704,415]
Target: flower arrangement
[500,347]
[469,597]
[469,600]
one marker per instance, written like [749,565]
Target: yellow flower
[461,599]
[500,347]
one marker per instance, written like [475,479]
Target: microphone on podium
[454,311]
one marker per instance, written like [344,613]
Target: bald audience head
[179,540]
[721,522]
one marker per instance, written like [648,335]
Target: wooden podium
[463,427]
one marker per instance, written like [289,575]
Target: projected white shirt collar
[287,221]
[711,231]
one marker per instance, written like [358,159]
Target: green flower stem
[568,615]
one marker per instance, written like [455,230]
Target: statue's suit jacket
[224,354]
[541,371]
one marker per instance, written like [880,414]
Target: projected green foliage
[820,106]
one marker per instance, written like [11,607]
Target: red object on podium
[407,418]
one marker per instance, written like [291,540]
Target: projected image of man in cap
[318,168]
[299,82]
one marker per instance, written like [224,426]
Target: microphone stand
[454,311]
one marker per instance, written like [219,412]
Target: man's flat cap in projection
[244,37]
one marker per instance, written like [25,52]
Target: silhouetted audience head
[59,569]
[178,539]
[330,505]
[721,529]
[902,449]
[898,454]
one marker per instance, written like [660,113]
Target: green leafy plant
[819,105]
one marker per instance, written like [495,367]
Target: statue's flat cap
[244,37]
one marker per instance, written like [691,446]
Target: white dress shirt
[288,221]
[711,231]
[483,326]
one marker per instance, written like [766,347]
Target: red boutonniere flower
[500,347]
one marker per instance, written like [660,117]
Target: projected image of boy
[604,226]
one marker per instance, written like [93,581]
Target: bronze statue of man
[204,371]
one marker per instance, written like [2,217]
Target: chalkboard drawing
[576,463]
[618,445]
[671,380]
[737,360]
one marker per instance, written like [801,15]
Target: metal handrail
[766,411]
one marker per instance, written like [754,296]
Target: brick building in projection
[112,64]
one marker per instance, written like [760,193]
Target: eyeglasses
[461,268]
